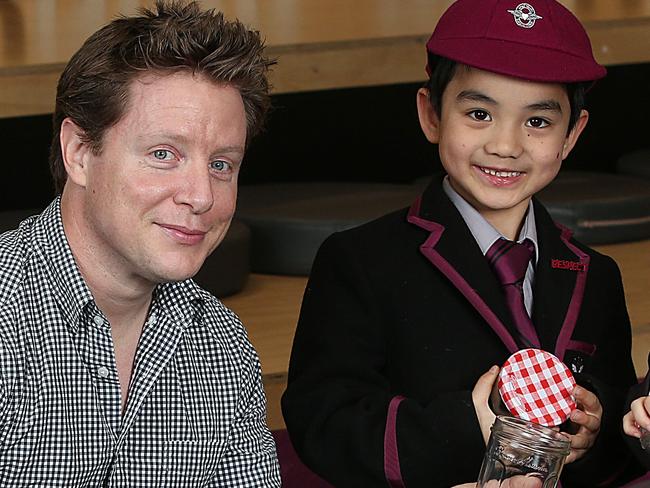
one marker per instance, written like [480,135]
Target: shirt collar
[182,301]
[70,289]
[484,233]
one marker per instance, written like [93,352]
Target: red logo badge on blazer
[570,265]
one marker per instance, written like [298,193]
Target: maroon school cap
[538,41]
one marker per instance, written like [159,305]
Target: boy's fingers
[480,398]
[575,455]
[630,425]
[590,422]
[483,387]
[588,401]
[581,441]
[640,412]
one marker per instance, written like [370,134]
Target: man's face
[501,139]
[160,196]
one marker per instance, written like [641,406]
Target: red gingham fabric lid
[536,386]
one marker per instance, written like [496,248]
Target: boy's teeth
[501,174]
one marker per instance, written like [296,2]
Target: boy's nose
[195,188]
[505,143]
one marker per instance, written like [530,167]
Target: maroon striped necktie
[509,261]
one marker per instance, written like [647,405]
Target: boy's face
[501,140]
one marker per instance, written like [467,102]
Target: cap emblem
[525,15]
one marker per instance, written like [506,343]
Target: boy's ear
[574,134]
[429,120]
[74,151]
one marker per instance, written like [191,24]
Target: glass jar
[521,454]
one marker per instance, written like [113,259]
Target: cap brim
[520,61]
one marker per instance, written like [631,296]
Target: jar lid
[536,386]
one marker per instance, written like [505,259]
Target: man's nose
[195,188]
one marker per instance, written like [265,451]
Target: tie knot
[509,260]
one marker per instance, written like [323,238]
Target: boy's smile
[501,140]
[500,176]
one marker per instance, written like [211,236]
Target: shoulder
[16,251]
[603,271]
[400,228]
[15,254]
[223,319]
[598,262]
[222,327]
[601,266]
[375,235]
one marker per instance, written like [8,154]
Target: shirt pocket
[190,463]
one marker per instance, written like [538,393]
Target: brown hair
[94,87]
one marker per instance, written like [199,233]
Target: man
[115,368]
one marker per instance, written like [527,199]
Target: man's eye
[480,115]
[220,165]
[162,154]
[537,122]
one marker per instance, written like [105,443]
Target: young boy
[403,316]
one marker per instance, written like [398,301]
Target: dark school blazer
[400,318]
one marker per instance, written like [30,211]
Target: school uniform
[400,318]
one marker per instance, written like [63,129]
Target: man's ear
[75,151]
[429,120]
[574,134]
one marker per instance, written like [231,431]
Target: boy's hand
[480,397]
[587,420]
[638,416]
[514,482]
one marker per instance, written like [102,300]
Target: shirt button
[98,320]
[102,371]
[152,319]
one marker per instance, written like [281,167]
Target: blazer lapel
[452,249]
[560,278]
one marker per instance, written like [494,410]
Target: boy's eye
[480,115]
[537,122]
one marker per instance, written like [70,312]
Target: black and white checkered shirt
[196,408]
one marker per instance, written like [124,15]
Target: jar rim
[540,436]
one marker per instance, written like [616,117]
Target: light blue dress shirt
[486,235]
